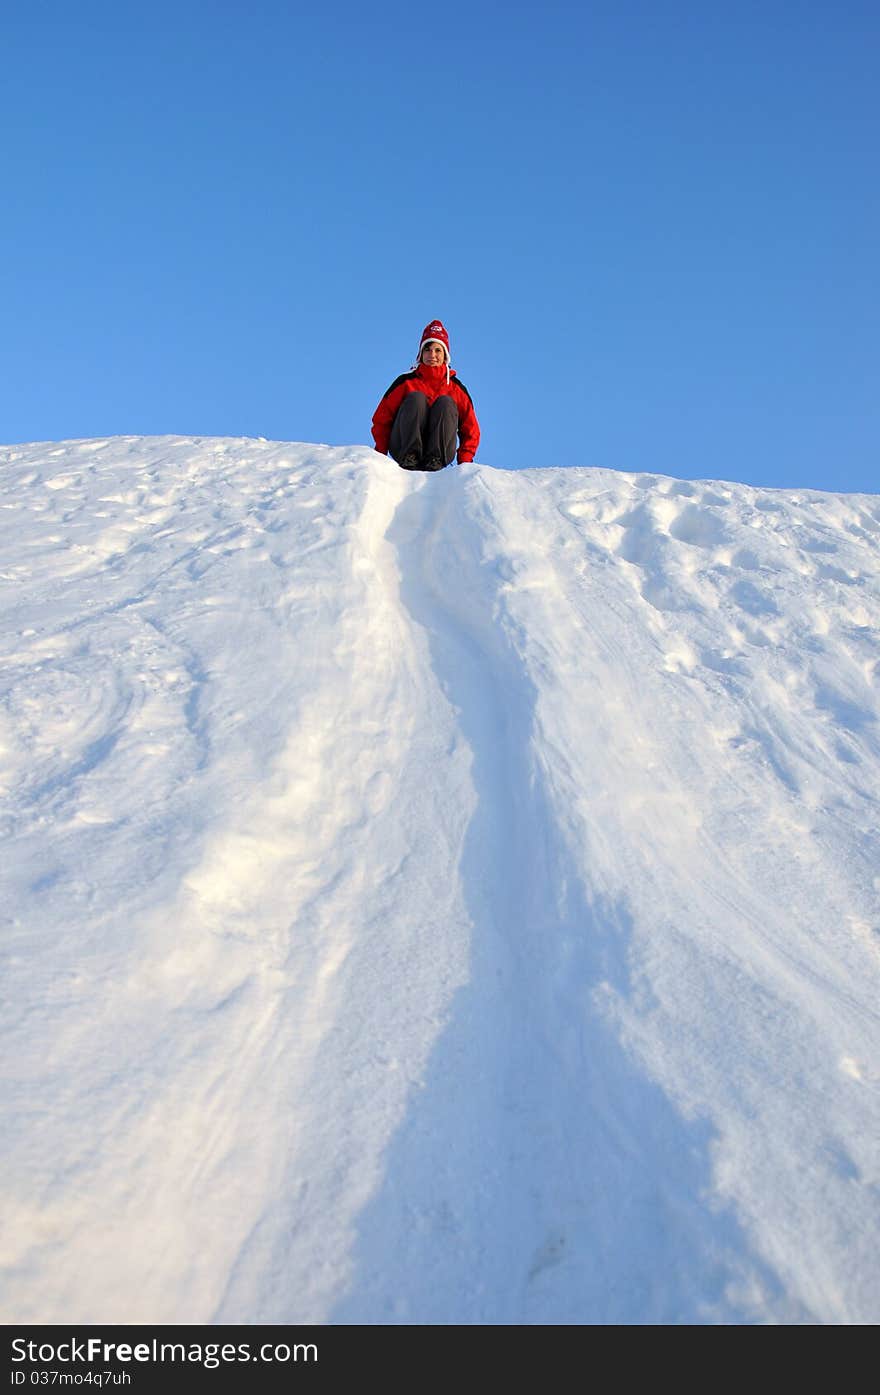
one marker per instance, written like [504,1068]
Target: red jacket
[434,383]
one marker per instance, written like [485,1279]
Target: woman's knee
[415,403]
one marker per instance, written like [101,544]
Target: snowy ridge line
[445,899]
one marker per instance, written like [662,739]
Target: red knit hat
[434,333]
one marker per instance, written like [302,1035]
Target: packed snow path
[435,898]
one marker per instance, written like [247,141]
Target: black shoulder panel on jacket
[397,381]
[464,389]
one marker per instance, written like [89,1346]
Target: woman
[424,410]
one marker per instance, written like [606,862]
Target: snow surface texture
[438,899]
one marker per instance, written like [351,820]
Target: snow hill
[435,899]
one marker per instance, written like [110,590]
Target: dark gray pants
[423,437]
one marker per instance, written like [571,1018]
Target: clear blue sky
[651,228]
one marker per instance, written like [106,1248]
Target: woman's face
[433,355]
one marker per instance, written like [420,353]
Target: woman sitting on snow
[424,410]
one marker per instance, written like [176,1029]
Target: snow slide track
[537,1167]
